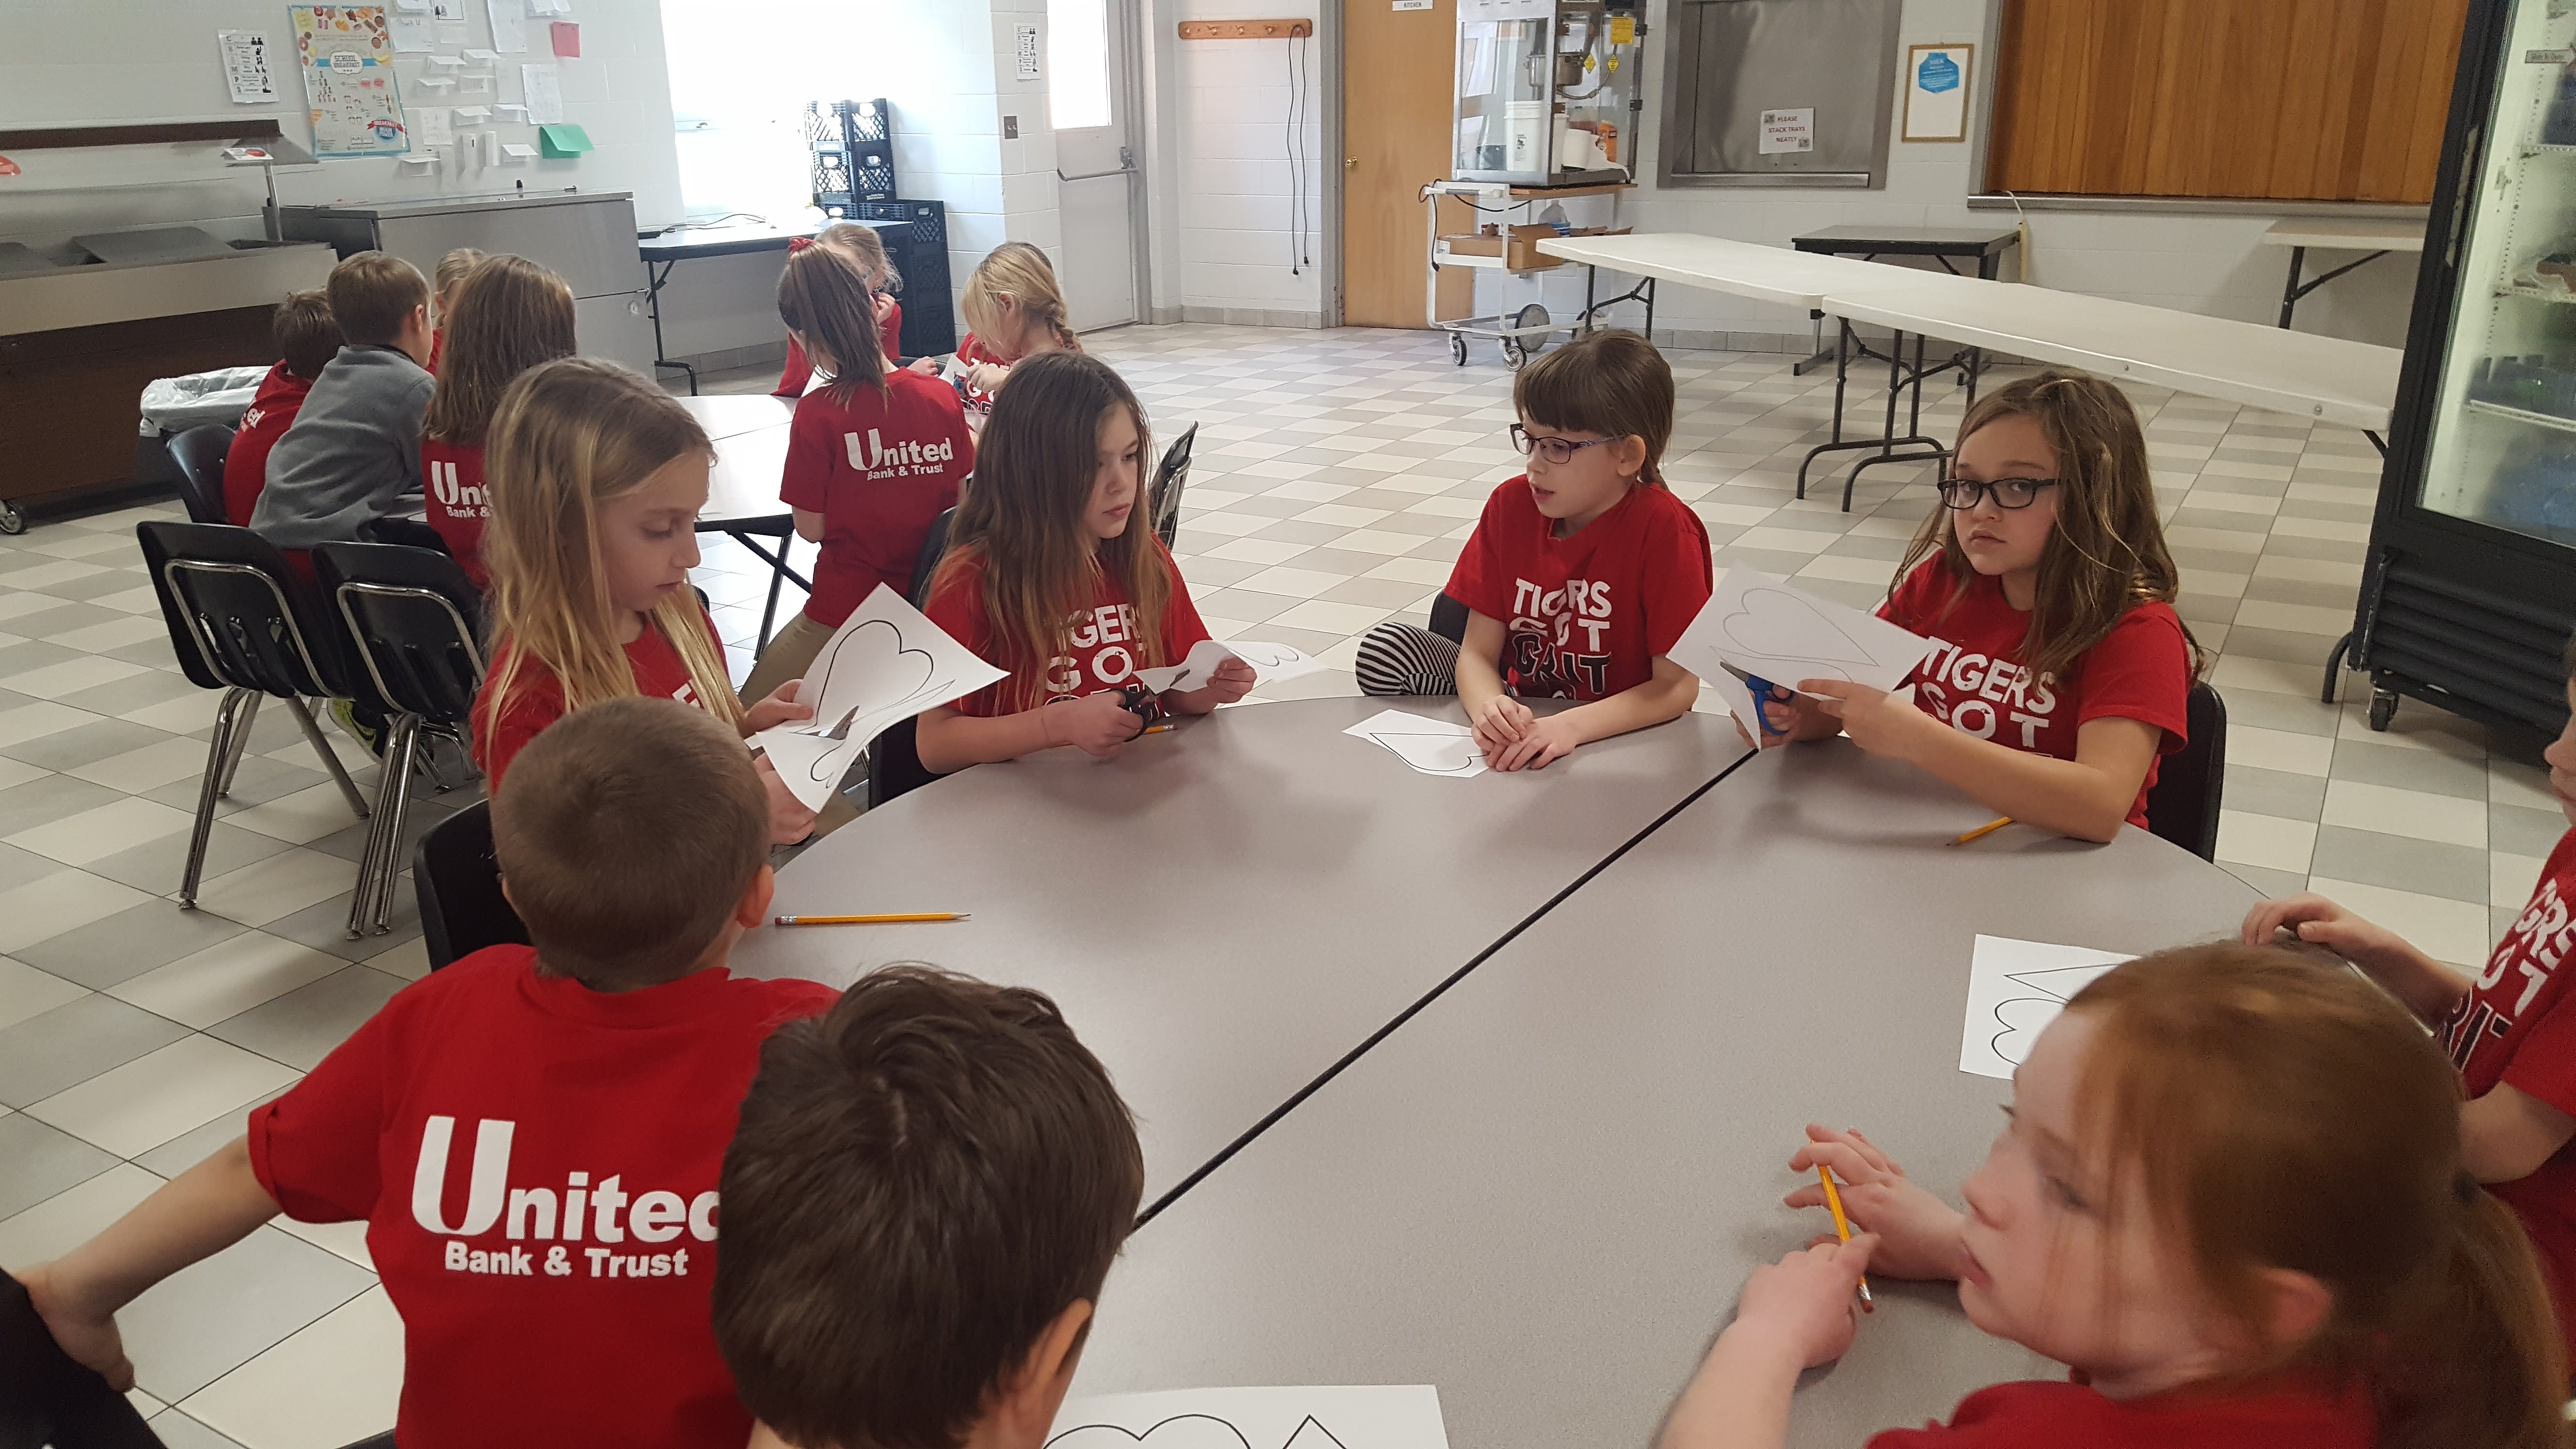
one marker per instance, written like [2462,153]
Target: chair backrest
[48,1398]
[414,624]
[238,616]
[458,883]
[894,763]
[409,532]
[1169,479]
[198,454]
[934,547]
[1449,619]
[2183,806]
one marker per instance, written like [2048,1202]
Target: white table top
[2324,378]
[1742,269]
[1224,911]
[750,434]
[2359,235]
[1543,1193]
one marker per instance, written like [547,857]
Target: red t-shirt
[971,354]
[271,412]
[1585,616]
[2281,1415]
[451,485]
[2508,1029]
[1103,641]
[536,696]
[536,1163]
[1973,680]
[799,372]
[879,469]
[437,345]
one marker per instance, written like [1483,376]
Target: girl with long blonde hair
[2059,672]
[597,477]
[1013,310]
[1054,573]
[506,316]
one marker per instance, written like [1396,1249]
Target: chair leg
[241,747]
[322,747]
[229,720]
[386,816]
[389,861]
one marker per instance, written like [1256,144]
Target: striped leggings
[1396,658]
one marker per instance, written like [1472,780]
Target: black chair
[199,454]
[241,622]
[458,883]
[409,532]
[46,1397]
[2183,806]
[414,624]
[1169,479]
[925,564]
[1449,619]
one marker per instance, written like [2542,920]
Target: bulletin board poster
[346,54]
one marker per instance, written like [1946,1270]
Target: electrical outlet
[1010,128]
[1247,29]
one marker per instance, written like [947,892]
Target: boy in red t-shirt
[533,1136]
[308,338]
[1580,576]
[926,1193]
[2509,1031]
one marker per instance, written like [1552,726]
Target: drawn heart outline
[1778,624]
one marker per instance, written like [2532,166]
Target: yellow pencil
[1842,1229]
[1982,831]
[1157,729]
[902,918]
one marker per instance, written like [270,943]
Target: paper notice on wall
[542,87]
[509,26]
[346,58]
[566,36]
[434,126]
[1788,132]
[246,72]
[1026,39]
[412,33]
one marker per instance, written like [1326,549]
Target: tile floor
[1336,475]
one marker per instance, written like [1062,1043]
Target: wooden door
[1396,72]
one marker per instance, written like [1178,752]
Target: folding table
[2299,234]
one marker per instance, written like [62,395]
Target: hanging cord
[1294,143]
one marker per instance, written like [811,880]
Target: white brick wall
[1220,165]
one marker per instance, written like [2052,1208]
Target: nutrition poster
[346,55]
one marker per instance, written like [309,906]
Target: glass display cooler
[1546,91]
[2469,589]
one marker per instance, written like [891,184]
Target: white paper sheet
[1271,662]
[1782,634]
[509,26]
[517,153]
[1432,746]
[884,662]
[1388,1416]
[541,86]
[247,74]
[412,33]
[420,5]
[433,126]
[2015,989]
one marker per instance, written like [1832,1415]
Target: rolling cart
[1522,331]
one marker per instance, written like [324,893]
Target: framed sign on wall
[1936,91]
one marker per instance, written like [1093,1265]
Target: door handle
[1350,163]
[1126,167]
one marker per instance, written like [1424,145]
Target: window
[1078,64]
[739,89]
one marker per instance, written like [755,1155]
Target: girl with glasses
[2059,672]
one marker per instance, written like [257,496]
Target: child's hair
[372,295]
[2280,1112]
[823,297]
[453,268]
[1034,472]
[1020,272]
[508,315]
[305,333]
[569,436]
[2107,553]
[861,241]
[924,1179]
[627,833]
[1611,382]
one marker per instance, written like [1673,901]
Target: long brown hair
[1019,273]
[571,435]
[2107,553]
[860,240]
[823,297]
[508,315]
[2285,1114]
[1022,515]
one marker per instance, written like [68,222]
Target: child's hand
[928,366]
[1880,721]
[1232,681]
[1499,724]
[789,820]
[779,708]
[90,1338]
[2320,922]
[1096,723]
[883,304]
[988,377]
[1918,1234]
[1786,712]
[1806,1303]
[1543,743]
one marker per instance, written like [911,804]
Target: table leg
[769,608]
[1815,358]
[653,284]
[1842,378]
[2292,291]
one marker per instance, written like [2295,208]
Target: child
[307,338]
[2502,1031]
[2059,672]
[1580,575]
[533,1136]
[1054,573]
[596,479]
[922,1201]
[453,268]
[1013,310]
[865,247]
[353,455]
[872,459]
[506,316]
[2229,1195]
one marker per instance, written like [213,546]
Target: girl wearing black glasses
[2059,672]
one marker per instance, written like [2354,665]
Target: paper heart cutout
[1778,624]
[874,670]
[1441,754]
